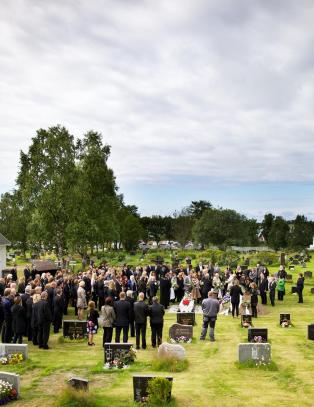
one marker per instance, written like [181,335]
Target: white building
[3,251]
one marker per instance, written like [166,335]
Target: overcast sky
[198,99]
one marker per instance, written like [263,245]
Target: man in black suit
[123,312]
[27,273]
[130,299]
[44,320]
[156,312]
[141,312]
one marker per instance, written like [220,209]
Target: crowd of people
[125,297]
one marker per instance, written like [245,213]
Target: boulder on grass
[171,351]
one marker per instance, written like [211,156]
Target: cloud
[217,89]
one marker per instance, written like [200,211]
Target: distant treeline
[66,198]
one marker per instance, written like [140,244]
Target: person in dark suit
[272,290]
[29,307]
[18,320]
[156,313]
[165,286]
[263,287]
[300,286]
[58,306]
[235,292]
[206,286]
[141,312]
[27,273]
[123,312]
[34,321]
[152,288]
[44,320]
[130,299]
[7,302]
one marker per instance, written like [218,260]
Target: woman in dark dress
[92,322]
[179,291]
[18,320]
[254,299]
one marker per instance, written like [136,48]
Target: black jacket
[131,301]
[44,313]
[156,312]
[123,312]
[29,308]
[141,312]
[263,286]
[300,283]
[235,293]
[18,319]
[58,305]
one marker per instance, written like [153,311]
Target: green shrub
[170,365]
[75,398]
[159,391]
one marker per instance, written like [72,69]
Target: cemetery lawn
[212,377]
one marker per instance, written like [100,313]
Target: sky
[199,99]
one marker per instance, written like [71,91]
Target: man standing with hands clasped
[210,307]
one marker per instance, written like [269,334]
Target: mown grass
[212,376]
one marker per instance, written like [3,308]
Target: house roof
[4,241]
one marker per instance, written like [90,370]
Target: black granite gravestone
[140,384]
[74,329]
[246,319]
[177,330]
[113,349]
[294,290]
[252,332]
[308,274]
[78,383]
[312,290]
[291,267]
[310,332]
[284,317]
[186,318]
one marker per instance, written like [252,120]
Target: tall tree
[267,224]
[278,234]
[300,235]
[197,208]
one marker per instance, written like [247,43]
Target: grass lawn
[212,378]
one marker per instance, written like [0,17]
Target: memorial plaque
[178,330]
[186,318]
[252,332]
[310,332]
[291,267]
[113,349]
[74,329]
[78,383]
[11,348]
[308,274]
[294,290]
[284,317]
[140,384]
[11,378]
[254,352]
[246,319]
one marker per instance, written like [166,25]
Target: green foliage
[301,233]
[272,366]
[169,365]
[159,389]
[278,234]
[74,398]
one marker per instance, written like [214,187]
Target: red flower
[186,301]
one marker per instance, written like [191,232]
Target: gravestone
[5,273]
[308,274]
[291,267]
[295,262]
[284,317]
[252,332]
[310,332]
[74,329]
[10,348]
[246,319]
[78,383]
[113,349]
[13,379]
[186,318]
[312,290]
[257,352]
[177,330]
[171,351]
[294,290]
[289,277]
[282,259]
[140,385]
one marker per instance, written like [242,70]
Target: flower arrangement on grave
[286,323]
[257,339]
[186,301]
[246,324]
[12,359]
[182,339]
[7,392]
[122,359]
[225,304]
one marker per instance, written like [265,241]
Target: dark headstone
[291,267]
[295,262]
[177,330]
[312,290]
[294,290]
[282,259]
[310,332]
[252,332]
[140,385]
[289,277]
[78,383]
[113,349]
[284,317]
[308,274]
[5,272]
[186,318]
[74,329]
[244,267]
[247,319]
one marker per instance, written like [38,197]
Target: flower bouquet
[186,305]
[7,392]
[225,304]
[286,323]
[122,359]
[182,339]
[12,359]
[257,339]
